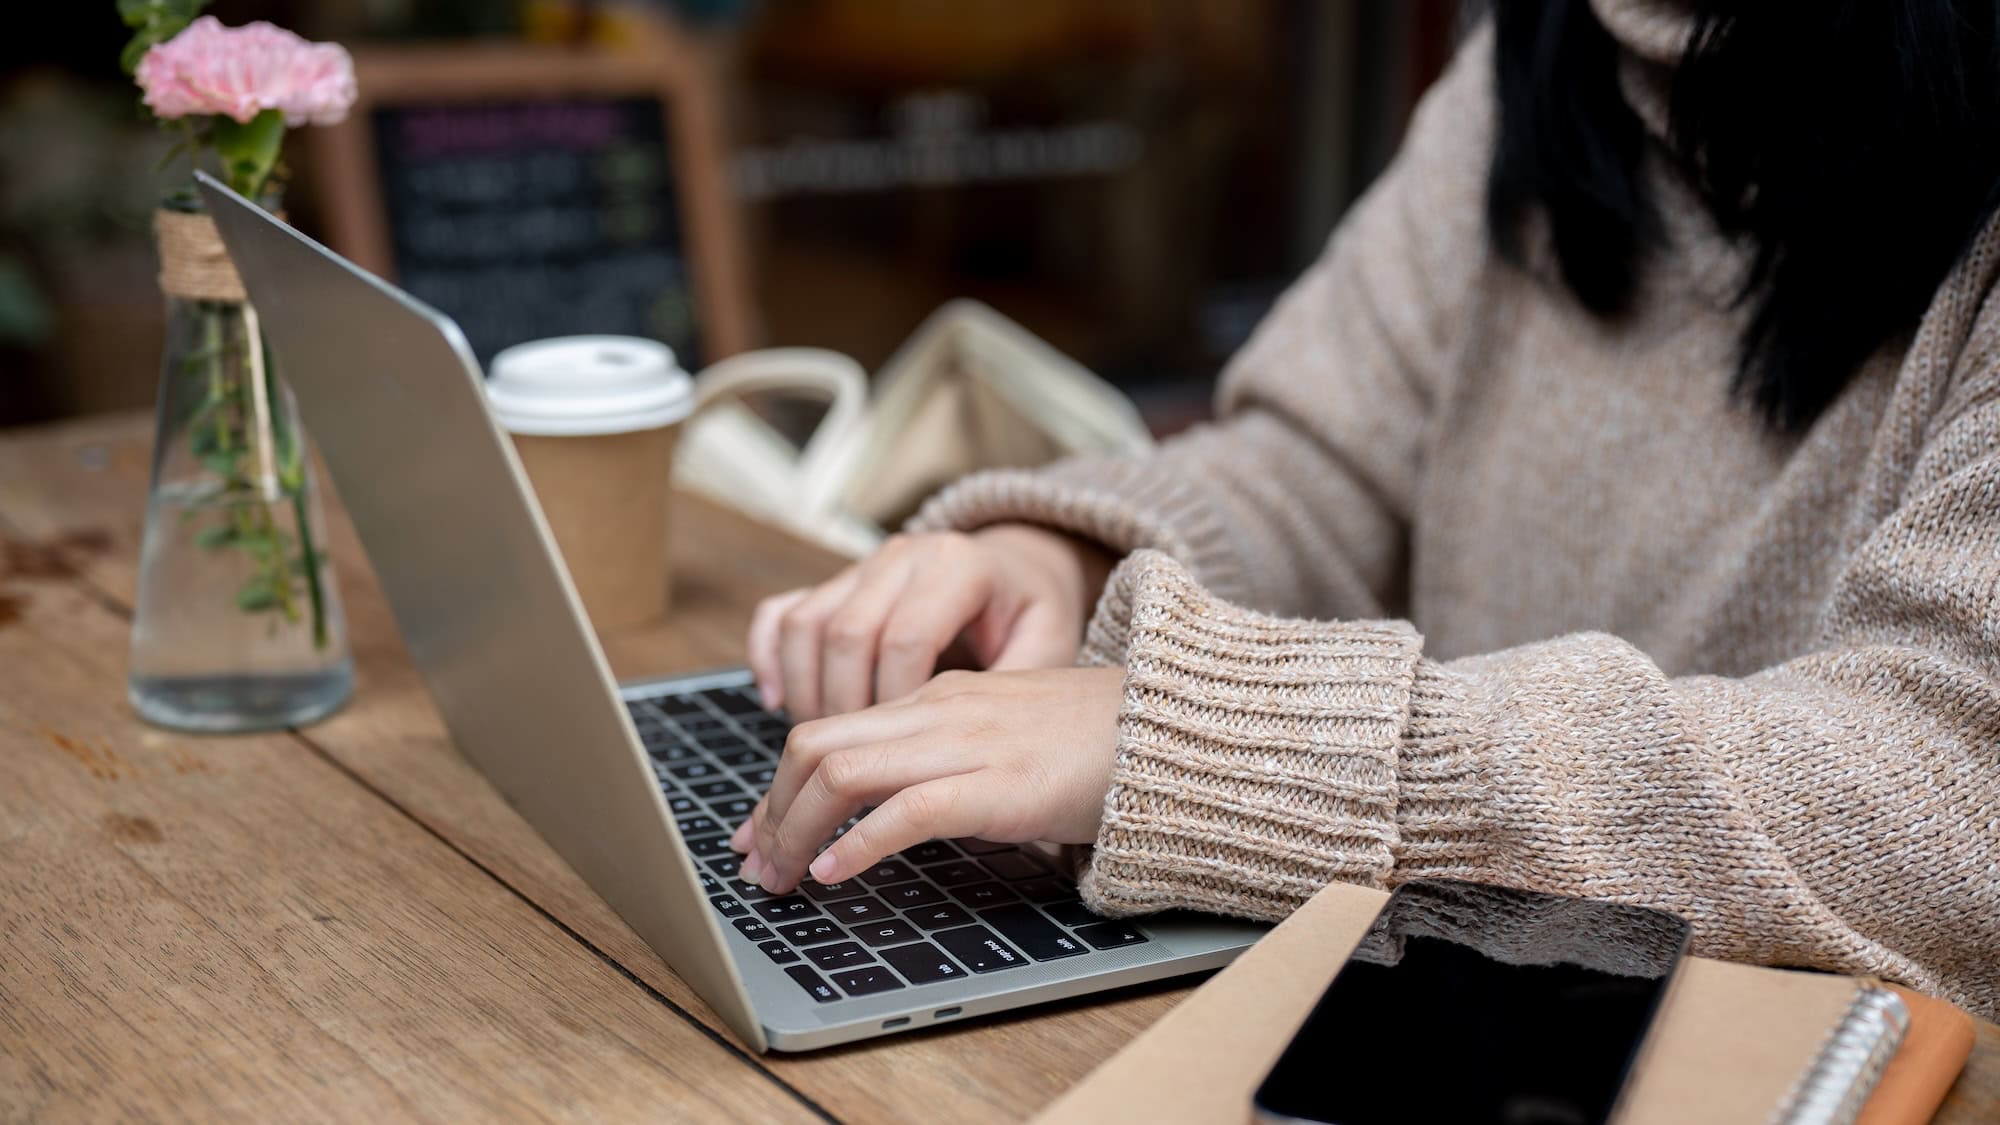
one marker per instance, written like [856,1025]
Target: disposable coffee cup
[595,419]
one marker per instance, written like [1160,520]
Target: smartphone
[1471,1003]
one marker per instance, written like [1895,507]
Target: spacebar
[1037,936]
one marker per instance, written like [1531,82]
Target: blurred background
[1133,180]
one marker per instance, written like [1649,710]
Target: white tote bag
[970,390]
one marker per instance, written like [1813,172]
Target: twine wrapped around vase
[194,265]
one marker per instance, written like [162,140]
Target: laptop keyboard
[938,911]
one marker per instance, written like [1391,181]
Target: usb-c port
[897,1022]
[942,1013]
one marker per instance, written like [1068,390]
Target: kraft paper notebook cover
[1734,1043]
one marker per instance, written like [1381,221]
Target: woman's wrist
[1081,566]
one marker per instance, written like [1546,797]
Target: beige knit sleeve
[1841,811]
[1297,499]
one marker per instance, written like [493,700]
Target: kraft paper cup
[595,420]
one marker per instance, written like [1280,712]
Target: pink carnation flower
[241,71]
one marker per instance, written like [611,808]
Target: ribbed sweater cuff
[1123,503]
[1261,758]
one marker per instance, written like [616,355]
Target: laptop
[637,786]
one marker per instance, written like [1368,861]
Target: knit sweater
[1465,582]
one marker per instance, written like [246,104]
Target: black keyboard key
[725,865]
[1045,890]
[1072,913]
[922,964]
[1035,935]
[930,851]
[977,949]
[846,955]
[695,771]
[861,982]
[746,758]
[981,847]
[886,872]
[811,982]
[984,894]
[956,874]
[1014,865]
[759,780]
[717,790]
[748,892]
[1111,935]
[733,812]
[677,704]
[833,892]
[788,909]
[736,702]
[886,933]
[907,895]
[941,916]
[671,752]
[778,951]
[705,846]
[682,805]
[699,725]
[857,910]
[730,907]
[819,931]
[753,929]
[697,825]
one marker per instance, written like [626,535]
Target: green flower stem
[309,558]
[251,524]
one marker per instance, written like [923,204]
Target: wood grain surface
[78,491]
[465,970]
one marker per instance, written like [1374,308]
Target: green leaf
[255,598]
[153,22]
[128,59]
[249,151]
[221,464]
[214,538]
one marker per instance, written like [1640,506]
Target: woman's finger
[810,743]
[846,782]
[1040,638]
[764,666]
[799,631]
[847,659]
[923,625]
[957,805]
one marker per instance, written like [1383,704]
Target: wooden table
[348,921]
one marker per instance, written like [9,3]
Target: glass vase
[238,626]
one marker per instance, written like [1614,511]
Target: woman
[1614,510]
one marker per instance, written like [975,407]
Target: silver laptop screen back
[391,394]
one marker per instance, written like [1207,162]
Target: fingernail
[739,840]
[768,696]
[822,868]
[752,869]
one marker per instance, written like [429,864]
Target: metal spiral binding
[1837,1084]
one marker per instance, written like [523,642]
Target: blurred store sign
[938,139]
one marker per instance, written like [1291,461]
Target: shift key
[1037,936]
[978,949]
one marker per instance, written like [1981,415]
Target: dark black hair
[1855,145]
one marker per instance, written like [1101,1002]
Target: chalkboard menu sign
[534,192]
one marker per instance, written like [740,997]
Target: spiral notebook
[1733,1043]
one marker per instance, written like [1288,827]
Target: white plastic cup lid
[579,385]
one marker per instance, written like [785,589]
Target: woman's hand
[1018,595]
[1007,756]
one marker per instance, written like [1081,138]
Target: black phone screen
[1470,1003]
